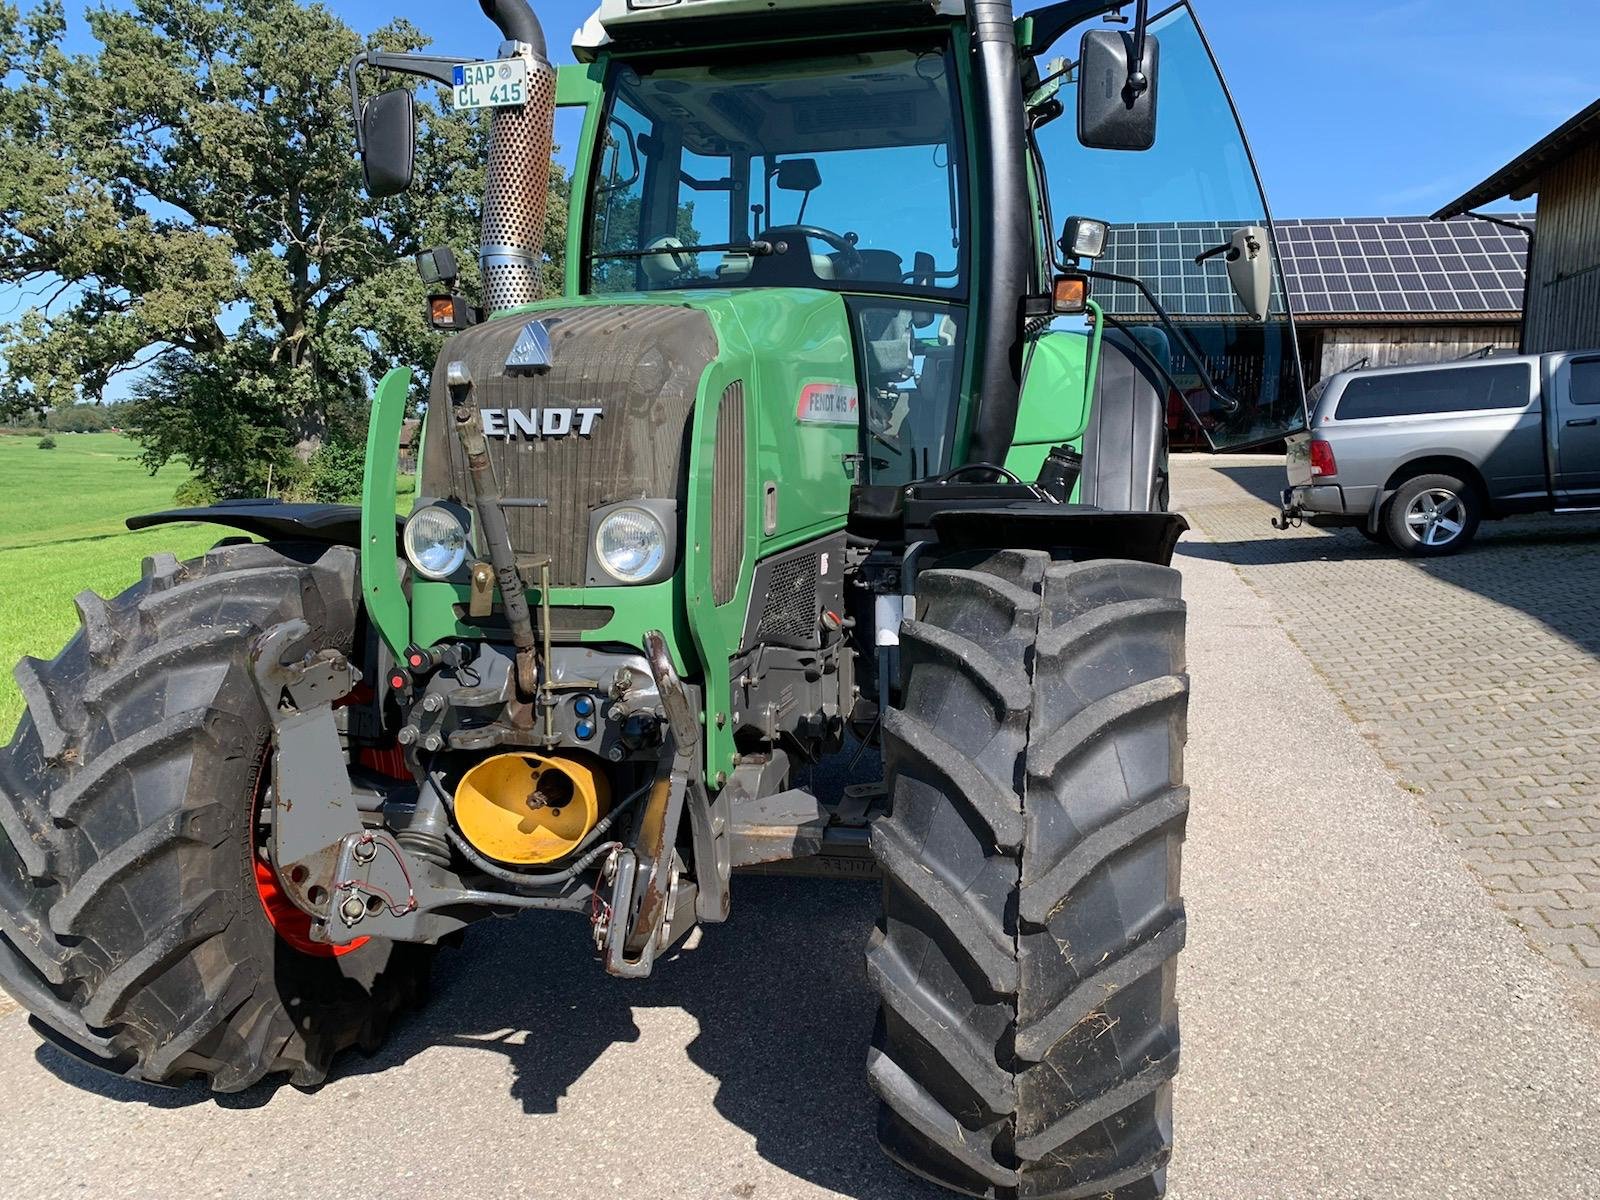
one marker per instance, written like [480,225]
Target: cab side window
[1584,376]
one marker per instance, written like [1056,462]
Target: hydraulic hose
[588,851]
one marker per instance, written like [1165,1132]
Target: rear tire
[1410,520]
[1025,963]
[131,925]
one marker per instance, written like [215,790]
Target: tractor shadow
[779,995]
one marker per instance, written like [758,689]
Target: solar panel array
[1343,269]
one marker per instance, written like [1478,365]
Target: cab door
[1577,418]
[1168,206]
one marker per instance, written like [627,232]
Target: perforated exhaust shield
[515,191]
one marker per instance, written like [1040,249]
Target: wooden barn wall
[1342,347]
[1564,292]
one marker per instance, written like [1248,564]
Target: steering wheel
[844,243]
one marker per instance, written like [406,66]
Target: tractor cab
[822,168]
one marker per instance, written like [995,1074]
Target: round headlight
[630,544]
[436,542]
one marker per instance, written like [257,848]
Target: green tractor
[833,440]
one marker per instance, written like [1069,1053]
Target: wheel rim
[1436,517]
[291,923]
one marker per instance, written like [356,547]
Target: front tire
[131,922]
[1025,963]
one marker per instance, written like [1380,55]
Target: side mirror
[798,175]
[1114,111]
[388,142]
[1250,270]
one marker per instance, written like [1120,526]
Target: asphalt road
[1358,1022]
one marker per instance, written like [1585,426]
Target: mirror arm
[425,66]
[1138,82]
[1052,21]
[1225,401]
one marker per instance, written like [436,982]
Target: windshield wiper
[759,249]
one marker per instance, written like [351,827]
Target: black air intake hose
[515,19]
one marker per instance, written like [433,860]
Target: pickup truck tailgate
[1298,460]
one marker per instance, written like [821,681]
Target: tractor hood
[602,421]
[591,403]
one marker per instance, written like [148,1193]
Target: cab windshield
[841,172]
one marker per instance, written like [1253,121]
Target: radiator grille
[640,364]
[728,497]
[566,624]
[789,612]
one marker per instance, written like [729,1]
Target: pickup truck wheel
[1025,962]
[1433,515]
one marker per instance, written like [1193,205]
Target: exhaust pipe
[1004,277]
[517,180]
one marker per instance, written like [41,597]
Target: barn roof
[1519,178]
[1338,270]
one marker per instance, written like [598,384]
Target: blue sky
[1355,107]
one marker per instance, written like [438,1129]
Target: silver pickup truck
[1416,457]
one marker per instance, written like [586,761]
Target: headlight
[631,544]
[436,542]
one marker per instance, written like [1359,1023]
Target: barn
[1365,292]
[1563,170]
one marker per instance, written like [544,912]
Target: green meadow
[61,531]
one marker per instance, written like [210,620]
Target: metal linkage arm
[423,66]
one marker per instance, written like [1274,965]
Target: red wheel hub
[288,920]
[292,925]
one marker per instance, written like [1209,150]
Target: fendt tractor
[833,443]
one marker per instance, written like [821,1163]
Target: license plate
[501,84]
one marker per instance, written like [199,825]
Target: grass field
[61,514]
[61,531]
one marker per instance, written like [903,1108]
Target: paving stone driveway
[1476,678]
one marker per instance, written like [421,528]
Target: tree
[80,418]
[187,201]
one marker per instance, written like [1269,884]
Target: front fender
[333,524]
[1084,533]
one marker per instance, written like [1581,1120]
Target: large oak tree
[183,202]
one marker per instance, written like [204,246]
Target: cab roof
[666,24]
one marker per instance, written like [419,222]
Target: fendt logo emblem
[548,422]
[531,354]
